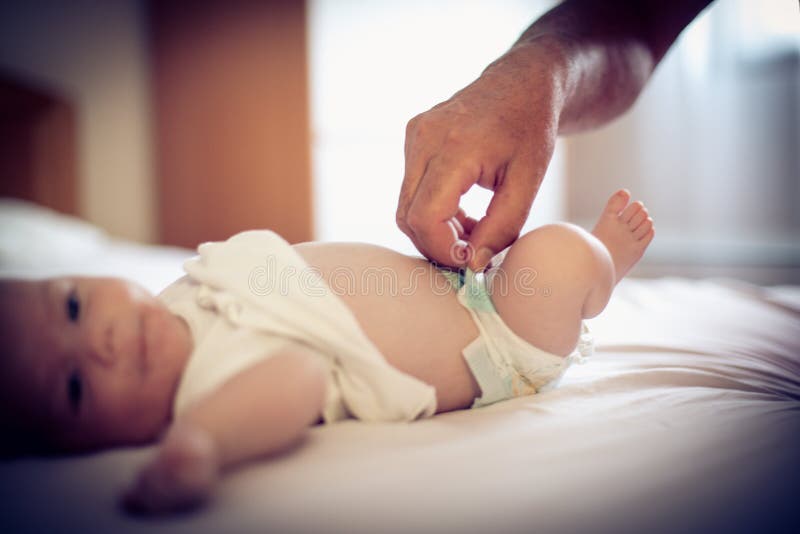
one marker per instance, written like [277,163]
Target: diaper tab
[494,387]
[474,292]
[471,289]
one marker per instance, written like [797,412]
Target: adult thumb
[505,216]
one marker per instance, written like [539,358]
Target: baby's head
[86,363]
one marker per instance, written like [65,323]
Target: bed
[686,419]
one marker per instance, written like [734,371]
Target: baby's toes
[629,212]
[644,242]
[638,218]
[617,202]
[643,229]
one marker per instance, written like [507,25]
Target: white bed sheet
[686,420]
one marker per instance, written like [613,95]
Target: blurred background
[177,122]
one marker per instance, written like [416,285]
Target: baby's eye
[73,306]
[74,391]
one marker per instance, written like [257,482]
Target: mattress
[686,419]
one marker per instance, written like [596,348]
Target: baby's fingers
[156,493]
[182,476]
[148,495]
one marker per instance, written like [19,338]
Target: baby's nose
[103,350]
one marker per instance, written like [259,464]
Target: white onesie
[251,295]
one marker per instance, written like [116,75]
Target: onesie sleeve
[224,351]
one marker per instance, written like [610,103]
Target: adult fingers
[467,223]
[459,249]
[458,228]
[506,213]
[416,160]
[434,206]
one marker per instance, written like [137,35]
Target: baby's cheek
[130,413]
[170,342]
[155,409]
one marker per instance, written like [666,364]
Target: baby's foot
[625,229]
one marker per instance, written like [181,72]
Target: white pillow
[34,236]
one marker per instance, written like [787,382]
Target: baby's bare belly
[407,309]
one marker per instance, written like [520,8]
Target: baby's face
[89,362]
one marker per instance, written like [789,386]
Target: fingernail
[482,258]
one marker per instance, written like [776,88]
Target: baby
[261,340]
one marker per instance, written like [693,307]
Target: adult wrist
[541,67]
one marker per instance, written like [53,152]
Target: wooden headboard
[37,145]
[232,133]
[230,124]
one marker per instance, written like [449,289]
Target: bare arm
[261,410]
[608,50]
[578,66]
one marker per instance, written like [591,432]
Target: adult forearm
[598,54]
[578,66]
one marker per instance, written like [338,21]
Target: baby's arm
[261,410]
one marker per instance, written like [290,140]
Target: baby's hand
[181,476]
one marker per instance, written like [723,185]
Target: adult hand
[498,132]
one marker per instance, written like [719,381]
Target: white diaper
[504,364]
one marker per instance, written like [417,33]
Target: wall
[230,97]
[376,64]
[712,147]
[94,53]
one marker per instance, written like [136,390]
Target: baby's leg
[557,275]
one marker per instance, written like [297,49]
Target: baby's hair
[23,433]
[19,438]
